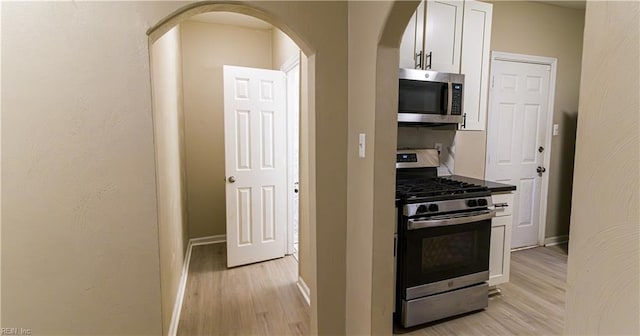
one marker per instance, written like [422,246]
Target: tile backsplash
[424,137]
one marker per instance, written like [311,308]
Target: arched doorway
[322,167]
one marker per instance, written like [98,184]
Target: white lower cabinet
[500,251]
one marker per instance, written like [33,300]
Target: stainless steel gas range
[444,233]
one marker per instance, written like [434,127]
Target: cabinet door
[443,35]
[476,39]
[500,251]
[412,39]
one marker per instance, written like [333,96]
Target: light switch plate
[556,129]
[361,145]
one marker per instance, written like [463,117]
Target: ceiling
[229,18]
[580,4]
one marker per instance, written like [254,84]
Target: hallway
[257,299]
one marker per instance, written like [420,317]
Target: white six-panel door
[255,162]
[518,115]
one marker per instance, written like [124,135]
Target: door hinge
[493,81]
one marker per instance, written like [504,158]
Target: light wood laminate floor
[262,299]
[257,299]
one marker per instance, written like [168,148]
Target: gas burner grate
[424,188]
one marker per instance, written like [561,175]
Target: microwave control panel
[456,103]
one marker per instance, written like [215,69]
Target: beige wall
[168,117]
[542,30]
[206,47]
[79,223]
[283,48]
[363,35]
[604,256]
[371,180]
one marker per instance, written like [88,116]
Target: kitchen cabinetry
[500,252]
[443,35]
[453,36]
[432,39]
[474,64]
[411,45]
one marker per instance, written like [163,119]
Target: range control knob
[472,203]
[421,209]
[433,207]
[482,202]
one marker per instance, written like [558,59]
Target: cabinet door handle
[419,60]
[501,205]
[428,57]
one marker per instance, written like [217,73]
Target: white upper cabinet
[443,35]
[476,38]
[412,41]
[453,36]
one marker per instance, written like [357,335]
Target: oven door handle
[414,224]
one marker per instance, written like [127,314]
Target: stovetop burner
[436,188]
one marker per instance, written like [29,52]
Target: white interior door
[515,138]
[255,164]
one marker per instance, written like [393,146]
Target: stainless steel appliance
[444,234]
[430,97]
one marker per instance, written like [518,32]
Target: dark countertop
[493,186]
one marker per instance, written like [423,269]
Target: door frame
[287,66]
[548,128]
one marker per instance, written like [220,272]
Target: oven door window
[446,252]
[422,97]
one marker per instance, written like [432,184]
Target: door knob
[231,179]
[540,149]
[541,170]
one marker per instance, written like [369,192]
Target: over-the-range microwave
[430,97]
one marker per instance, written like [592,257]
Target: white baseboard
[524,248]
[304,289]
[177,306]
[208,240]
[557,240]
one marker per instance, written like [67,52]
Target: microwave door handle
[450,97]
[444,93]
